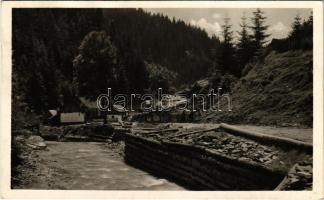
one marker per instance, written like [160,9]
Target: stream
[90,166]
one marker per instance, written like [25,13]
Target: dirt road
[91,166]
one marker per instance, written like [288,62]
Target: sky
[279,20]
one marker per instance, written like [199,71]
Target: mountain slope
[277,91]
[179,47]
[46,41]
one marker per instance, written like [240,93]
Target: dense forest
[56,51]
[62,53]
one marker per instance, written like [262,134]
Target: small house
[72,118]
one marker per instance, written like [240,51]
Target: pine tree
[244,45]
[226,59]
[227,32]
[296,33]
[259,29]
[308,26]
[296,26]
[214,54]
[307,33]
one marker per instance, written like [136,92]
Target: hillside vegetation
[56,51]
[275,91]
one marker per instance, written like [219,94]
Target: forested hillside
[56,51]
[44,45]
[277,91]
[179,47]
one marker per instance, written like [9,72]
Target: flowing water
[91,166]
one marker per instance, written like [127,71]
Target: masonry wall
[198,168]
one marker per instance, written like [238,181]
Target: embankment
[198,168]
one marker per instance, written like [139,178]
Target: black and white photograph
[162,98]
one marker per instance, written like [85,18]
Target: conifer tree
[244,45]
[227,32]
[226,55]
[226,59]
[296,26]
[308,26]
[259,29]
[296,32]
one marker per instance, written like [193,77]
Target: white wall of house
[74,117]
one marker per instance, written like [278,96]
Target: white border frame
[5,103]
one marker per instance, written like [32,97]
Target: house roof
[53,112]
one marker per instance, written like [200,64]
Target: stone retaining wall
[198,168]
